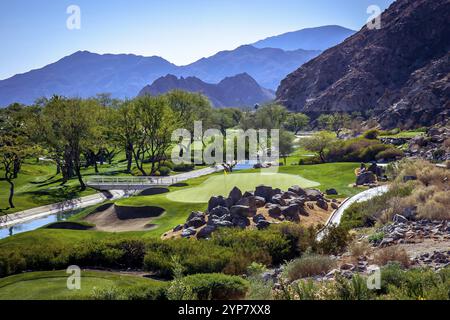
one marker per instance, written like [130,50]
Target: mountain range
[238,91]
[85,74]
[400,72]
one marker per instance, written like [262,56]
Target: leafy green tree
[334,122]
[296,122]
[15,145]
[286,144]
[321,143]
[270,116]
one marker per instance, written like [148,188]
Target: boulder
[277,199]
[206,232]
[258,217]
[178,228]
[310,205]
[321,203]
[302,211]
[242,211]
[217,201]
[260,202]
[196,214]
[264,192]
[366,178]
[313,194]
[196,222]
[291,213]
[235,195]
[241,222]
[188,232]
[274,211]
[263,224]
[288,195]
[399,219]
[219,211]
[247,194]
[297,190]
[334,206]
[220,223]
[331,192]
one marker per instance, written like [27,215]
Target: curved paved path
[336,216]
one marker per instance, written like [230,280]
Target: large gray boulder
[297,190]
[366,177]
[264,192]
[241,222]
[292,213]
[313,194]
[188,232]
[219,211]
[196,222]
[217,201]
[235,195]
[242,211]
[274,211]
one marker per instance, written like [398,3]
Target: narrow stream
[37,223]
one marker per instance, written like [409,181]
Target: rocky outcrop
[243,210]
[399,72]
[434,146]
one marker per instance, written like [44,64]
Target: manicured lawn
[339,176]
[53,285]
[405,134]
[222,185]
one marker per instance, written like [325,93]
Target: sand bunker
[113,218]
[153,191]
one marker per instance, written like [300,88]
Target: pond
[35,224]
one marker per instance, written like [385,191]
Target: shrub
[371,134]
[216,286]
[355,289]
[392,254]
[390,154]
[164,171]
[335,240]
[308,266]
[358,249]
[184,167]
[435,208]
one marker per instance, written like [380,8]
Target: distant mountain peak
[319,38]
[237,91]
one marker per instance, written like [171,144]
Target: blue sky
[34,33]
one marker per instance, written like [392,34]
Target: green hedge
[216,286]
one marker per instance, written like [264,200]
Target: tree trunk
[11,193]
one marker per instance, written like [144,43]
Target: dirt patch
[121,219]
[153,191]
[66,225]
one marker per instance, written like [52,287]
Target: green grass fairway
[222,185]
[53,285]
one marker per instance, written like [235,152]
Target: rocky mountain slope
[320,38]
[399,72]
[238,91]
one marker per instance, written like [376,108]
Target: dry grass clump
[392,254]
[359,249]
[308,266]
[435,208]
[430,195]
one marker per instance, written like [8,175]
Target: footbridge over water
[104,183]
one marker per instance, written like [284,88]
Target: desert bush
[371,134]
[358,249]
[392,254]
[308,266]
[354,289]
[390,154]
[436,207]
[217,286]
[335,240]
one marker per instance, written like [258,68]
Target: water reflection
[35,224]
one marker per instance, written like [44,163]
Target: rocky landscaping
[435,146]
[258,209]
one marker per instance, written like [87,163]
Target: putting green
[222,185]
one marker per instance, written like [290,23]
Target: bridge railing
[100,180]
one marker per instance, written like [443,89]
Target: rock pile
[403,231]
[261,208]
[437,260]
[433,146]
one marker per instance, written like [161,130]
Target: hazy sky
[34,32]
